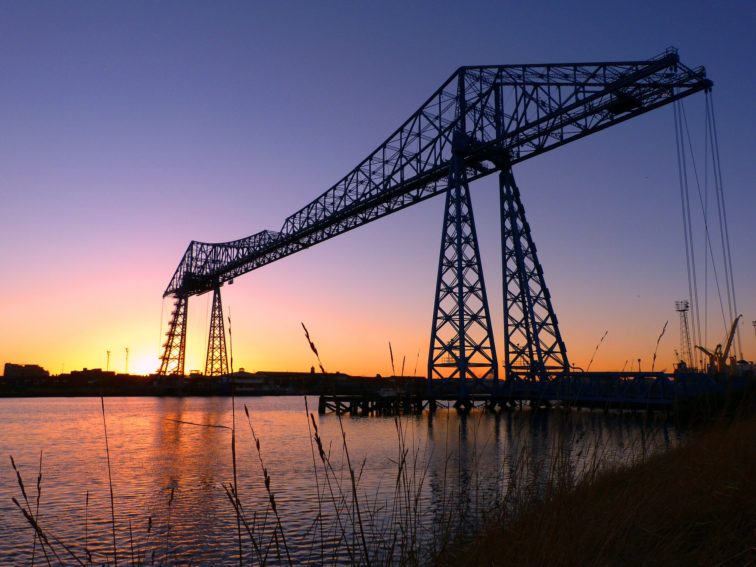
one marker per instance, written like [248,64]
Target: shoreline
[692,505]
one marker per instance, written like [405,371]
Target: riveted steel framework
[686,351]
[174,349]
[533,346]
[461,345]
[489,117]
[216,362]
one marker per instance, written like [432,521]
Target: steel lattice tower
[481,120]
[686,352]
[216,363]
[462,344]
[533,346]
[174,349]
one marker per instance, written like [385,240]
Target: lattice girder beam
[174,348]
[519,111]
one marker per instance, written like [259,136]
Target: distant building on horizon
[24,371]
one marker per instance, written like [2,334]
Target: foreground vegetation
[569,505]
[693,505]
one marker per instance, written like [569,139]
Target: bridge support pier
[533,345]
[461,345]
[216,362]
[174,348]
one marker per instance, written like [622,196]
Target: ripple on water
[153,456]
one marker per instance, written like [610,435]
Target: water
[170,463]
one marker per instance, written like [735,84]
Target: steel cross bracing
[505,113]
[216,362]
[174,349]
[461,344]
[533,346]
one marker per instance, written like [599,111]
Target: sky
[131,128]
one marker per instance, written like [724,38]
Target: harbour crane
[719,362]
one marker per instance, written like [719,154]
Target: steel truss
[462,344]
[519,111]
[480,115]
[216,362]
[533,346]
[174,349]
[686,351]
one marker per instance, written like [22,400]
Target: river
[170,459]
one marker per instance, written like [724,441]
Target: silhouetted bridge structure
[636,391]
[481,121]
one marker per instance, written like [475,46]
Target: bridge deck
[648,391]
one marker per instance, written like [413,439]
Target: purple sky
[129,129]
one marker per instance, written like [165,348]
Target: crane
[719,359]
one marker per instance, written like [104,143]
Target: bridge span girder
[482,120]
[505,113]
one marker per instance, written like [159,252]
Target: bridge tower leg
[533,346]
[216,362]
[461,345]
[174,349]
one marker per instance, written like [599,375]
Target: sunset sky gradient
[132,128]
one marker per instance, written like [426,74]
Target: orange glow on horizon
[281,346]
[268,307]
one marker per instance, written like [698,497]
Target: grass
[693,505]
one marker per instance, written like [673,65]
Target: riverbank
[97,382]
[420,483]
[692,505]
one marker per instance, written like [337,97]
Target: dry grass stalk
[271,495]
[693,505]
[44,537]
[368,529]
[233,462]
[36,510]
[313,348]
[337,502]
[110,481]
[86,528]
[355,499]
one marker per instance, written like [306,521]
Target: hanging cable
[687,233]
[207,326]
[685,152]
[707,248]
[724,229]
[707,237]
[160,327]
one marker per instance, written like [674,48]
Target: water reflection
[170,461]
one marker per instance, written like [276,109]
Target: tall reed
[395,524]
[110,481]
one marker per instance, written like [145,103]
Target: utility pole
[127,360]
[107,361]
